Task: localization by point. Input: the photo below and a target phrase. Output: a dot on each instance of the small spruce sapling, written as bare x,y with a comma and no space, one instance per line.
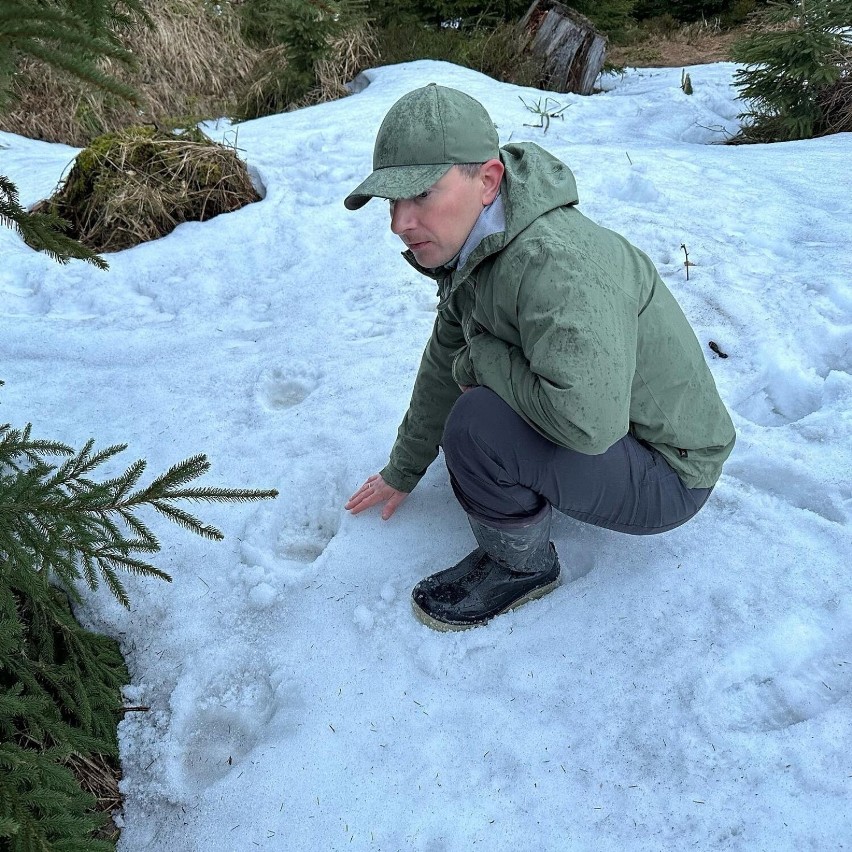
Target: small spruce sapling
788,67
304,31
60,684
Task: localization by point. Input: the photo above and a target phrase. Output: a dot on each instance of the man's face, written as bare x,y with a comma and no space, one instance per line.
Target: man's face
435,224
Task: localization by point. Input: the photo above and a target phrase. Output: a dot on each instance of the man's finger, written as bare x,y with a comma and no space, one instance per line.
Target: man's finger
392,504
364,500
367,496
374,491
357,500
364,490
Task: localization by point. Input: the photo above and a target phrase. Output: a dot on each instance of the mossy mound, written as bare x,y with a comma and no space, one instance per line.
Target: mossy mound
140,183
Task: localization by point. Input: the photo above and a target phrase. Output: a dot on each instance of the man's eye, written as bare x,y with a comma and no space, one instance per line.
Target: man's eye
424,194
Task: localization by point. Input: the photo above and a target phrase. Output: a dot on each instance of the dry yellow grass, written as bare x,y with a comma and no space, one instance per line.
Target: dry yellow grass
349,54
189,68
836,103
192,66
692,44
139,184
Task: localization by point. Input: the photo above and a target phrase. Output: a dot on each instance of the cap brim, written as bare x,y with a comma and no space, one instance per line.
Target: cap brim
396,182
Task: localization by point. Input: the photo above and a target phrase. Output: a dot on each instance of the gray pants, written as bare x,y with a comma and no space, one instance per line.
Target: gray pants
503,472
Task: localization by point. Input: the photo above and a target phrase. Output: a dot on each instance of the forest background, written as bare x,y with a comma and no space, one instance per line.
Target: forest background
251,58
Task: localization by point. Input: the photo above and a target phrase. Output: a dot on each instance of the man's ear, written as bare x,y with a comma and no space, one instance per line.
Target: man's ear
490,174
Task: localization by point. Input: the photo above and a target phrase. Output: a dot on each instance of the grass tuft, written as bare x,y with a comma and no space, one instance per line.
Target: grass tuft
139,184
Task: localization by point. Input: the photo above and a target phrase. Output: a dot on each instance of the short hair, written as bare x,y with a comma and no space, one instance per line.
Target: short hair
469,170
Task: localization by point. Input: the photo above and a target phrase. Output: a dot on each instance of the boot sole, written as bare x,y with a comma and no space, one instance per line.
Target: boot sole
447,626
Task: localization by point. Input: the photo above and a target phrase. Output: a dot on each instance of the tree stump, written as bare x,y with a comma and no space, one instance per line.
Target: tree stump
573,49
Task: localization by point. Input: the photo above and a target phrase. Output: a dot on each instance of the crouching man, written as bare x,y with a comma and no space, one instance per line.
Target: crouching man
561,372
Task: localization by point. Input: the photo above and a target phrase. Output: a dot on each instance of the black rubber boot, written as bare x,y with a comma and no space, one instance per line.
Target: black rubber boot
510,567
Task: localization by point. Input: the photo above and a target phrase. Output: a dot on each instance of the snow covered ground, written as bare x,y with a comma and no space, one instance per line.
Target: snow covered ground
686,691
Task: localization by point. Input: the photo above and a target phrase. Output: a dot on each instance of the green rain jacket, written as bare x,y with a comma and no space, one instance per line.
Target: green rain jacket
573,327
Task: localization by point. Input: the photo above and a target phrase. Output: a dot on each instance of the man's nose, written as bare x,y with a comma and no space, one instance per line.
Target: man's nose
402,219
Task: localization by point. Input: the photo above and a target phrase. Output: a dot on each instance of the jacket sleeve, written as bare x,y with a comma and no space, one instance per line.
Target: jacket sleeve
433,396
571,376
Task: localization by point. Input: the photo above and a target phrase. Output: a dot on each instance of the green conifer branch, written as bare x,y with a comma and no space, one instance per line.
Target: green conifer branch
139,529
83,70
178,474
13,441
219,495
186,520
57,521
66,678
42,230
42,806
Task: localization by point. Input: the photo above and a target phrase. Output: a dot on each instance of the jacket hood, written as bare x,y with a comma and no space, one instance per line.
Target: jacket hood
534,183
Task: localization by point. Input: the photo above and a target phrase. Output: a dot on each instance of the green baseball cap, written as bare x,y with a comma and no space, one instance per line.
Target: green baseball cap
424,134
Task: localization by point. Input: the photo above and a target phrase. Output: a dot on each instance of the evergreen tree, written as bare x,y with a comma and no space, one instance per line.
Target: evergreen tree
790,66
42,806
610,16
59,697
687,10
463,13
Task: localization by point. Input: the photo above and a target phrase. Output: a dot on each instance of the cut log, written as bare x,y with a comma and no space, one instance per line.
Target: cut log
573,50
